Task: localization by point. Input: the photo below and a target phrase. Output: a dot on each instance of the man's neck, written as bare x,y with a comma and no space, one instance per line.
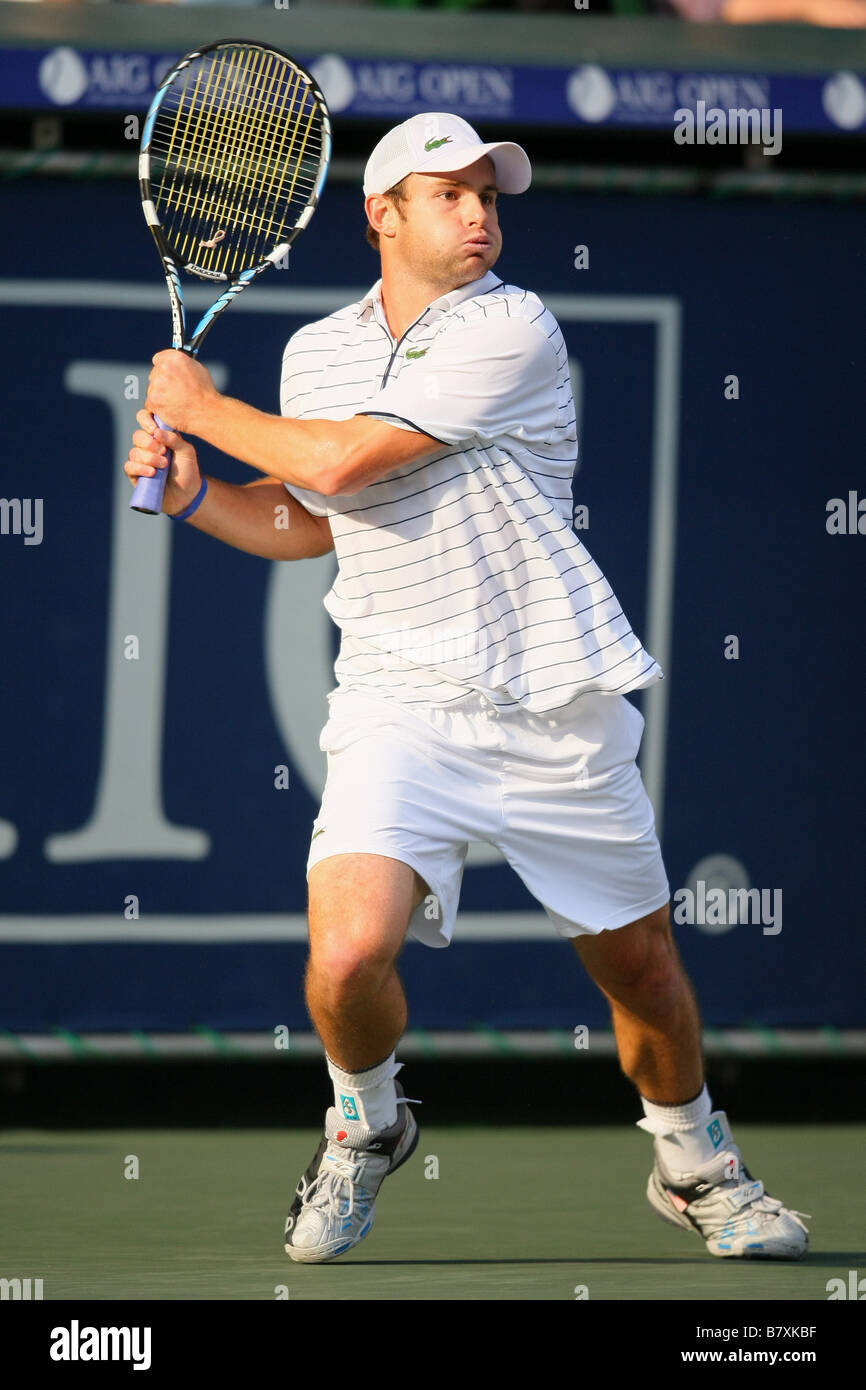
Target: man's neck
405,297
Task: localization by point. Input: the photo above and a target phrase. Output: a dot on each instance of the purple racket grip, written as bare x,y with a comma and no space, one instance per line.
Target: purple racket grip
147,493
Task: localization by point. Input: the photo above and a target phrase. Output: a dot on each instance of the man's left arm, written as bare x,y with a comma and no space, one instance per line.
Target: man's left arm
331,457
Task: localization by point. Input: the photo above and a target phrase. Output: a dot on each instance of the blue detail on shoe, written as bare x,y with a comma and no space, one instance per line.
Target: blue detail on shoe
362,1208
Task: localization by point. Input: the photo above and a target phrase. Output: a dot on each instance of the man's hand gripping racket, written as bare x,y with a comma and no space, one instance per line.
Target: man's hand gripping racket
234,155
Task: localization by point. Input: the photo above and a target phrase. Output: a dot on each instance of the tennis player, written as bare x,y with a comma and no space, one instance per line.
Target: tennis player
428,435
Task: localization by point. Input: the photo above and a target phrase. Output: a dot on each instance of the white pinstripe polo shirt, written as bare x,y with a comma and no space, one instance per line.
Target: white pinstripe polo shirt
461,573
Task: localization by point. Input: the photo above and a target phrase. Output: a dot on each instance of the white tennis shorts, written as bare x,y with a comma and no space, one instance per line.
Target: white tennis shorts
560,796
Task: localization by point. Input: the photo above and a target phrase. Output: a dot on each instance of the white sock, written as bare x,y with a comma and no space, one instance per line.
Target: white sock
368,1097
684,1140
674,1119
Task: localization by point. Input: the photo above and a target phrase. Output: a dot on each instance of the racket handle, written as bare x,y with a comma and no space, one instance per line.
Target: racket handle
147,493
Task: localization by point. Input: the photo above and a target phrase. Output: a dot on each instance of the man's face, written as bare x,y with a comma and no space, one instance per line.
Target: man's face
448,228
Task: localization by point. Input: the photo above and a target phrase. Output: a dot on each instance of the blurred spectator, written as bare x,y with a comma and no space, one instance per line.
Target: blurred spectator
837,14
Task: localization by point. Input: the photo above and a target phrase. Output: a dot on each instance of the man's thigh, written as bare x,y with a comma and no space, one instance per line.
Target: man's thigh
364,900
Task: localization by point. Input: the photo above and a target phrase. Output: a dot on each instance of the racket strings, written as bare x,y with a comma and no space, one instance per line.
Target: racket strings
266,132
209,167
190,115
187,196
209,117
242,129
189,126
237,147
292,167
288,160
270,167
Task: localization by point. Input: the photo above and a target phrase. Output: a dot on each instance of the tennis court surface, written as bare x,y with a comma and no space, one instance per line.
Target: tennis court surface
514,1214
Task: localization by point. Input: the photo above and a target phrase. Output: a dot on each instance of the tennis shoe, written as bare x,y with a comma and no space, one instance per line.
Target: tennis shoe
333,1206
726,1206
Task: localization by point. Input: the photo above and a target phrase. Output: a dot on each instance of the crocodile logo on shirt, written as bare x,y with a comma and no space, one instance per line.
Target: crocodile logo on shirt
412,353
434,144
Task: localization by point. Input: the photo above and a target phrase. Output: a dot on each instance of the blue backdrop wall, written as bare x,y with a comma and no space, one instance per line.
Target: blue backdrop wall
152,874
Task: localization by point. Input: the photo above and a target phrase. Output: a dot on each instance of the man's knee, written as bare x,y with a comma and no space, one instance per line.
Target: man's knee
359,910
351,959
640,958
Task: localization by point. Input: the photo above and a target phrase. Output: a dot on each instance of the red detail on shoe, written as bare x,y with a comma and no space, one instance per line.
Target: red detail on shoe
677,1200
732,1167
341,1135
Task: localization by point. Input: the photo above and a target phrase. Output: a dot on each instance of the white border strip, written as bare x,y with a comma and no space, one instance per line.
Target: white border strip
205,929
124,295
505,1045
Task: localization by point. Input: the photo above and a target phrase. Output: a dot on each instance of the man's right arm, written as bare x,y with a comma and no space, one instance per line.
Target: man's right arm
260,517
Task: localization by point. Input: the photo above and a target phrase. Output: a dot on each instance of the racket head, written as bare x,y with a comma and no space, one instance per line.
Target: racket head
234,154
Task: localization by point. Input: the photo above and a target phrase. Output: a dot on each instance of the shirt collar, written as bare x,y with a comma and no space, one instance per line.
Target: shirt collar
371,304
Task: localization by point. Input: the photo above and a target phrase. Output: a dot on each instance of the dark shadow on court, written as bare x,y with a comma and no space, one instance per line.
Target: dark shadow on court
833,1259
542,1260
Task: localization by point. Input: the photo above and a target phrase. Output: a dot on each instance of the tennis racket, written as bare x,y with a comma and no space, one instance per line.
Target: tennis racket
234,154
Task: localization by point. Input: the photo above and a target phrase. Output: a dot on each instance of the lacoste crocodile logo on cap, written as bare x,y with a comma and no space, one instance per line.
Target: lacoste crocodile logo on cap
434,144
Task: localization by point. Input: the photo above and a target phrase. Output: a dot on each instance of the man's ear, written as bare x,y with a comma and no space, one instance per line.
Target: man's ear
377,208
382,214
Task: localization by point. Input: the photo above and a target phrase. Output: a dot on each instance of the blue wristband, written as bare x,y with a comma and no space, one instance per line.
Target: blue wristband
194,504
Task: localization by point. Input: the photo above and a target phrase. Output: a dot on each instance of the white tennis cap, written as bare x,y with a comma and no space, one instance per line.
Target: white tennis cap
435,141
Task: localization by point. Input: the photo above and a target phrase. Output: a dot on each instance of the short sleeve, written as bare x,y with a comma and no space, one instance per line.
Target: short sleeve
315,502
480,381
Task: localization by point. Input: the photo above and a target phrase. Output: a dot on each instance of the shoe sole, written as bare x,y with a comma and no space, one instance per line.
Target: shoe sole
321,1254
661,1205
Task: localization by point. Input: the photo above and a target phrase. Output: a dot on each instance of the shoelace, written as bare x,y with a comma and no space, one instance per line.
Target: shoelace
333,1186
772,1206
